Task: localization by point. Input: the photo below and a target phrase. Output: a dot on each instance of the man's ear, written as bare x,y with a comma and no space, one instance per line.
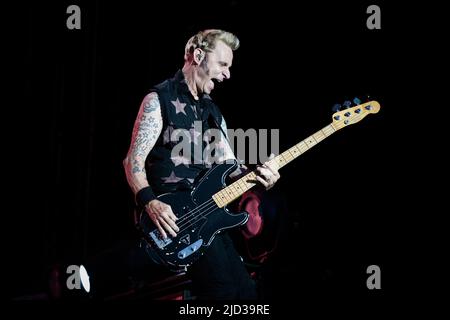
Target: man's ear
199,55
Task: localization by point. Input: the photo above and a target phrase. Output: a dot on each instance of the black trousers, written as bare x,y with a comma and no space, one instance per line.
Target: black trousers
220,274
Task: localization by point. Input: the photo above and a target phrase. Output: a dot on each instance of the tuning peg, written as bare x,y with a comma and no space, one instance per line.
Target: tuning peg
356,101
337,107
347,104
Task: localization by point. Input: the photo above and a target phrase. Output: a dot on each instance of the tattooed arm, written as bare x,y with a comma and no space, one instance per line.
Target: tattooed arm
147,128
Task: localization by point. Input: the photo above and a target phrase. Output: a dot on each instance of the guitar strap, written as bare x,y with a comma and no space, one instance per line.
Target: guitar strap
219,127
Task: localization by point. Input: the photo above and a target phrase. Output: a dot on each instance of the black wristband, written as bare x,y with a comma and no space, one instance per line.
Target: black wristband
144,196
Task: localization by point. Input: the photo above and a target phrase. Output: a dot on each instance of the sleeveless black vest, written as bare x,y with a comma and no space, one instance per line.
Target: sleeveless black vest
168,171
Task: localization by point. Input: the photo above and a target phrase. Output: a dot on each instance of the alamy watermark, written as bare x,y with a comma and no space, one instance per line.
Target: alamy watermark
78,277
74,20
194,147
374,20
374,280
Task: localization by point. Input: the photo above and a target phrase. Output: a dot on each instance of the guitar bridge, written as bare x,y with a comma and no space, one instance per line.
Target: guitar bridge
159,240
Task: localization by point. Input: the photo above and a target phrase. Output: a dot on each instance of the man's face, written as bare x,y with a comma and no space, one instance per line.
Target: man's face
215,67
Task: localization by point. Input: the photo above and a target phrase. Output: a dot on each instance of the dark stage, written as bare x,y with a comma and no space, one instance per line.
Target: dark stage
81,90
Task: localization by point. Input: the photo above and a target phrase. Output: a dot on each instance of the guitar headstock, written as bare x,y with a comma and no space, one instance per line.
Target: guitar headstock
350,115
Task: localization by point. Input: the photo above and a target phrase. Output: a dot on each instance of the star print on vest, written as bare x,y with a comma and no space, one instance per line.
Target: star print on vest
177,160
172,178
179,107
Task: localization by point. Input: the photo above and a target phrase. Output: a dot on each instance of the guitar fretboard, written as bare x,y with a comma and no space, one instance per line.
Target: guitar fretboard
237,188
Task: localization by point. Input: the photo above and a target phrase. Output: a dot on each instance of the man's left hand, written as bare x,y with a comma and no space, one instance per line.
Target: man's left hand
268,174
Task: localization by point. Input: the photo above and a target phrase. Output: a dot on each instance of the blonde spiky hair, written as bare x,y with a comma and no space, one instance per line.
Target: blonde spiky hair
207,39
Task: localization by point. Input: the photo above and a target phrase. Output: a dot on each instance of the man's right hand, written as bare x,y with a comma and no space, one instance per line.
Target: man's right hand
163,217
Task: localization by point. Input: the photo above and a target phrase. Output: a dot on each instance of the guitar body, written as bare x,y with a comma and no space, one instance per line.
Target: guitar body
199,219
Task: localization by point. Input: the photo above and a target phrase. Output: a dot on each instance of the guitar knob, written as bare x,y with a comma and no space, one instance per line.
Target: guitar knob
337,107
356,101
347,104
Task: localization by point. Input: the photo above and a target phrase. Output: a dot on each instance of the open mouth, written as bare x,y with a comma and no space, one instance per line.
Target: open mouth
213,82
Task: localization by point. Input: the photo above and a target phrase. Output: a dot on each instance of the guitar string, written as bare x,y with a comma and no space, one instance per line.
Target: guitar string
188,215
191,215
199,215
192,212
198,211
185,216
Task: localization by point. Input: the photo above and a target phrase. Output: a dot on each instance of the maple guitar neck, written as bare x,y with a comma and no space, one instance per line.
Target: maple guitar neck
341,119
240,186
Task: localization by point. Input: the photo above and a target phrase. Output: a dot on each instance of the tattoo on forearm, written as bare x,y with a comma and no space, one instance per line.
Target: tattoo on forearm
151,105
146,130
138,167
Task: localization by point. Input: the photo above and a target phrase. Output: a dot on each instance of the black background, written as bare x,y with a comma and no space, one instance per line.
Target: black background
81,90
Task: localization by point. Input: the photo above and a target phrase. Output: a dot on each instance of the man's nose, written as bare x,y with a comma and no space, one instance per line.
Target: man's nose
227,74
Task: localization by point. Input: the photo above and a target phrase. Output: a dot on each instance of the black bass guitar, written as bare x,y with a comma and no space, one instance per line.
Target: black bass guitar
202,212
